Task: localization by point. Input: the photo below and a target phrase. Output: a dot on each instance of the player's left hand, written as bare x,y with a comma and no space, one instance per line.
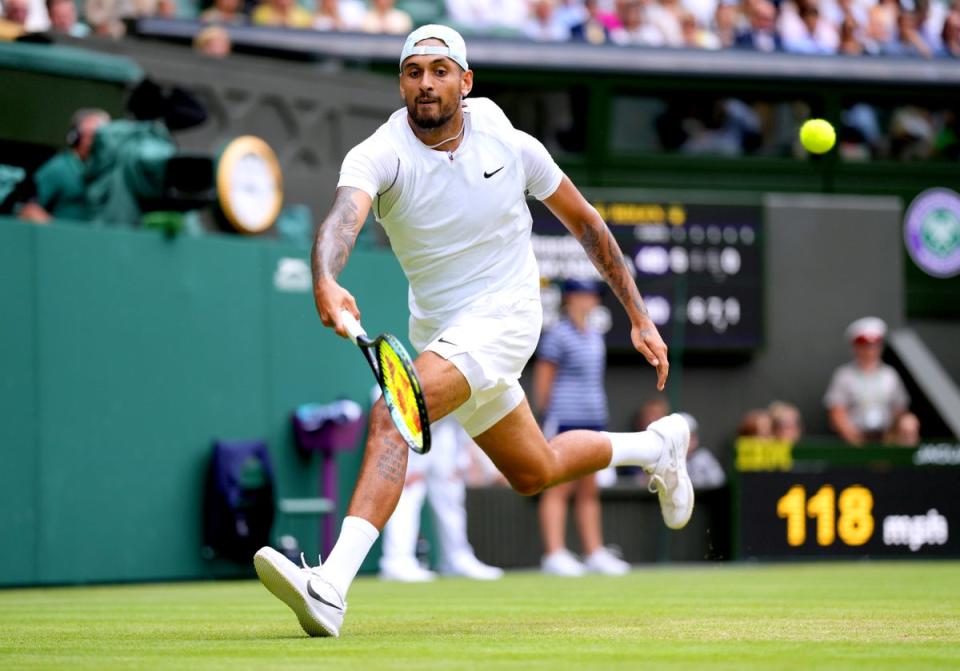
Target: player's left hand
646,340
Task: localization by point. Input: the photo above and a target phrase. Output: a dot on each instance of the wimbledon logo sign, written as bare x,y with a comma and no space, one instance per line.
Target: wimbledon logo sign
931,231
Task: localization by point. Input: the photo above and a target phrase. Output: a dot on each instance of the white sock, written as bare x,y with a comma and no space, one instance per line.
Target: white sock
357,536
642,448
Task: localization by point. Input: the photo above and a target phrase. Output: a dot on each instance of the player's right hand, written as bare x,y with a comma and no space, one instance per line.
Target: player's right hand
646,340
330,299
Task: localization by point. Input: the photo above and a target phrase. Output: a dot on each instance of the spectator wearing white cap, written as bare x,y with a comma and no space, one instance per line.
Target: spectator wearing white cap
866,398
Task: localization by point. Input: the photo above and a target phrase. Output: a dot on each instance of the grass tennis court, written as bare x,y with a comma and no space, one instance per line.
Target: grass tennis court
801,616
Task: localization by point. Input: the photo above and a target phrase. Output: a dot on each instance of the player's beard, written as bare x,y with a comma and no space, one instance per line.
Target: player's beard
430,122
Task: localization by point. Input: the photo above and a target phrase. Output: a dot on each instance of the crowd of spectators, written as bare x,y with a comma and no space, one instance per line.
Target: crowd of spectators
920,28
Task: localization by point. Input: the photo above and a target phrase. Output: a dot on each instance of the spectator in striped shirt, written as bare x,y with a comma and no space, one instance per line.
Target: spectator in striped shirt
569,394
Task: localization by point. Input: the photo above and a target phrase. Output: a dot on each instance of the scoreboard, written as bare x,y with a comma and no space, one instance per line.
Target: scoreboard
795,501
698,266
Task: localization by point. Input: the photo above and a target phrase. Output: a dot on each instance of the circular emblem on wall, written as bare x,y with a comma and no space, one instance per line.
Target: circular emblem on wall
931,231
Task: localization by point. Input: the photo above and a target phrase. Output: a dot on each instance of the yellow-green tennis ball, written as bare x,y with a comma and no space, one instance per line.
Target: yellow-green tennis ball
817,136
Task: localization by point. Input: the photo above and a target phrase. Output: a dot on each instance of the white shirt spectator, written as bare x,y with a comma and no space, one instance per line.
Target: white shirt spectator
798,38
873,400
38,20
386,20
666,22
702,10
486,14
545,24
643,35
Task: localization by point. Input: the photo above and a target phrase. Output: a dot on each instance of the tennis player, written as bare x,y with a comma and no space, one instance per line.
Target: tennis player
447,178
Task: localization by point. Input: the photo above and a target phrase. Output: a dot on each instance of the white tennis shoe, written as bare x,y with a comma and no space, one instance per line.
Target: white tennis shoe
562,563
466,564
315,602
669,478
604,562
404,569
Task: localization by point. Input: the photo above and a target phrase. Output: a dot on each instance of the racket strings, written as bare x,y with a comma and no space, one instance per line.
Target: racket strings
400,390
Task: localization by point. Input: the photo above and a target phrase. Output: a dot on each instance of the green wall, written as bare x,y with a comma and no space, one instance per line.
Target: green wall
122,355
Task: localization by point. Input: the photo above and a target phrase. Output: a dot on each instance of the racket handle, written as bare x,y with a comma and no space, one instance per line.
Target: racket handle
352,325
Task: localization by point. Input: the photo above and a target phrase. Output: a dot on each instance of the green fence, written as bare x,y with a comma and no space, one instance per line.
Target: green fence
122,355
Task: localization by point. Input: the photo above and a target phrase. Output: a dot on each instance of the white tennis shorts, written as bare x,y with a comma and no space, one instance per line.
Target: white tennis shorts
490,345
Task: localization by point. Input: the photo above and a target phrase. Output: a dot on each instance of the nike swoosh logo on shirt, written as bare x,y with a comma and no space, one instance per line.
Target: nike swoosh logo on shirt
488,175
444,340
320,598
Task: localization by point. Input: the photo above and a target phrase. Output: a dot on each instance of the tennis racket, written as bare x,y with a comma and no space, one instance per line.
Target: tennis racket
398,379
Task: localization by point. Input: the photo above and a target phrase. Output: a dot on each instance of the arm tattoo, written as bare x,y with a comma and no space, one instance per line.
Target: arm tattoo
335,236
391,465
604,252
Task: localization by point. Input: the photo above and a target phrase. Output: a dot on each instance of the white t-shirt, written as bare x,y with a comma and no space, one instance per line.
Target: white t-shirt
457,221
873,400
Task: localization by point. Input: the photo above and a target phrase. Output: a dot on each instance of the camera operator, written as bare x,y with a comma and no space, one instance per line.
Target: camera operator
61,190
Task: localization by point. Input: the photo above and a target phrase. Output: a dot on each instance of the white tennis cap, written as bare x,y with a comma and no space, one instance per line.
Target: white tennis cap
867,329
455,49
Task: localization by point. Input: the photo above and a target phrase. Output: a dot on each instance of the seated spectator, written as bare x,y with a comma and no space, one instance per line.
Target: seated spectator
866,398
835,11
787,423
635,28
213,41
106,17
383,17
703,11
487,15
570,12
951,35
761,33
666,15
695,37
878,35
704,469
912,134
544,24
225,12
60,182
725,23
909,41
338,15
592,28
650,411
860,135
906,433
850,44
13,20
63,18
282,14
804,31
31,15
161,8
930,24
756,423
